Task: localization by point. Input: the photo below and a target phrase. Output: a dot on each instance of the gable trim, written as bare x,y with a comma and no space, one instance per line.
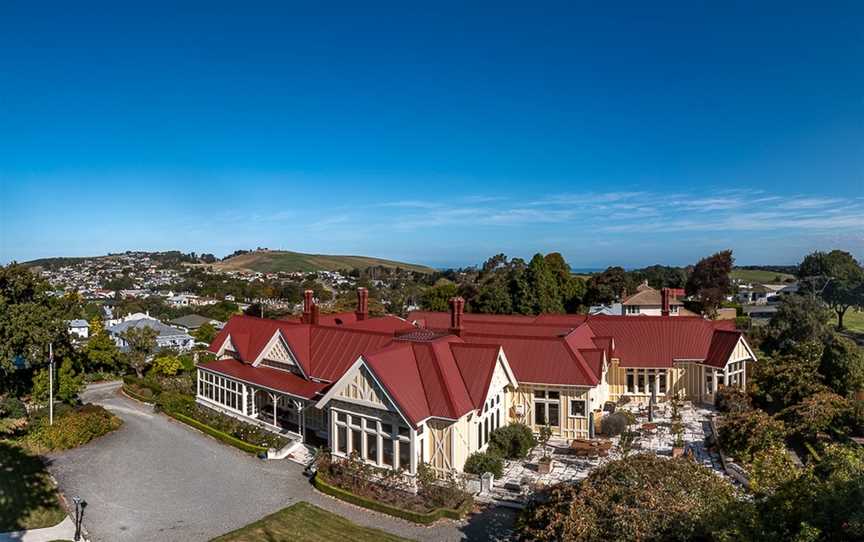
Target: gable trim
353,371
277,336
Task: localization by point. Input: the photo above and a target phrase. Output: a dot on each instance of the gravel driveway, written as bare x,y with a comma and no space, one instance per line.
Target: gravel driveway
157,479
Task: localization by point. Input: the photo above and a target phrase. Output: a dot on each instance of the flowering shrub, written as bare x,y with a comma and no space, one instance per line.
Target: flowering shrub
732,400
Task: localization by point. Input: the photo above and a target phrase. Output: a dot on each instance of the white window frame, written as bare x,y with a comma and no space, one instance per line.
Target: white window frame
370,427
220,390
645,374
544,402
574,400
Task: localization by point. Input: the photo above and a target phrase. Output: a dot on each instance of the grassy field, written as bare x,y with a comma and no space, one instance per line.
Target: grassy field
303,522
853,321
759,275
278,260
28,499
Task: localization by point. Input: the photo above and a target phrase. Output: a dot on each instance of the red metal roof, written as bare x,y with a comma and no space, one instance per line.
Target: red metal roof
723,343
266,377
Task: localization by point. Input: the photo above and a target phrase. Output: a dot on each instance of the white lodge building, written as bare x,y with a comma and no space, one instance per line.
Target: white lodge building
433,387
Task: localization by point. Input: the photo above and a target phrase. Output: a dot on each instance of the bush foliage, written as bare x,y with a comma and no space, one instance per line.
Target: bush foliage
643,497
512,441
480,463
616,423
744,434
72,428
732,400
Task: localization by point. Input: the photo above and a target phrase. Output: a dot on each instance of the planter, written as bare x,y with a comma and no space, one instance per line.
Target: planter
544,466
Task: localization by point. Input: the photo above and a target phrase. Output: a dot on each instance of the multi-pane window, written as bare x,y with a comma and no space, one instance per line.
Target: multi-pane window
547,406
647,381
223,391
631,309
378,442
735,374
488,420
578,408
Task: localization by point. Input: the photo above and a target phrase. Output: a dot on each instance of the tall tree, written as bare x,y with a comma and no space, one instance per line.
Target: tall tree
30,319
799,319
842,365
545,284
709,282
521,291
100,353
437,298
141,342
607,286
837,277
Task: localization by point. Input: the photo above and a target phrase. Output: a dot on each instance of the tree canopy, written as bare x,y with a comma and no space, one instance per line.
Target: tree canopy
710,283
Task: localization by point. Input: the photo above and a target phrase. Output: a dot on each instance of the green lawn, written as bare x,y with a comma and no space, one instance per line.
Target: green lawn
761,276
303,522
28,498
853,321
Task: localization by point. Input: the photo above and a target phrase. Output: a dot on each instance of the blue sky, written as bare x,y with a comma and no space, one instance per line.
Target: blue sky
443,134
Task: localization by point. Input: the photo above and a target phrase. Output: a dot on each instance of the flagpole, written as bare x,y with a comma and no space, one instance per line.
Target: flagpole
50,383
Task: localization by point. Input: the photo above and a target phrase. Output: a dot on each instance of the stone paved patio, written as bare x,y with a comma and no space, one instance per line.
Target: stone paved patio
521,478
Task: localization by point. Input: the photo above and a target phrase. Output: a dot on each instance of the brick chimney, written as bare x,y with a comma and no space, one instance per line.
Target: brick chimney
314,315
308,305
665,295
362,304
457,308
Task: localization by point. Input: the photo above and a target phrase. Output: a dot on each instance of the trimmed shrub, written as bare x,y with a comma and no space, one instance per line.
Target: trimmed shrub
480,463
732,400
616,423
744,434
173,402
513,441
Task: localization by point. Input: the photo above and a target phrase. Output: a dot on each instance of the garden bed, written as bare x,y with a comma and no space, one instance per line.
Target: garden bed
72,427
389,492
245,436
424,518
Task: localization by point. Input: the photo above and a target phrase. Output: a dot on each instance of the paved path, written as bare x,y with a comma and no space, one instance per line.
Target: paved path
157,479
65,530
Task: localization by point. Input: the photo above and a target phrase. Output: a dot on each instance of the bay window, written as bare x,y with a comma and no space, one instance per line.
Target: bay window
375,441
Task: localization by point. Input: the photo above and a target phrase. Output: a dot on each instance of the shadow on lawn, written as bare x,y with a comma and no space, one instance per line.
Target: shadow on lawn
28,498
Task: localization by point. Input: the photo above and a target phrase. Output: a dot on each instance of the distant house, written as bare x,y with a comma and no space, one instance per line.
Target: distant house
168,336
759,314
755,294
650,302
177,301
191,322
79,328
612,309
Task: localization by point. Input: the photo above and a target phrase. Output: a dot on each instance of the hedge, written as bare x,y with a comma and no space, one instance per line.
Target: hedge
416,517
215,433
128,391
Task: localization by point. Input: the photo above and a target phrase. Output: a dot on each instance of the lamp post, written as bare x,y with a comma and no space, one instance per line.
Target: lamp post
77,500
50,383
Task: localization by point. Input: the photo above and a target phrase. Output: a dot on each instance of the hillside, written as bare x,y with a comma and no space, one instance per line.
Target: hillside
273,261
762,276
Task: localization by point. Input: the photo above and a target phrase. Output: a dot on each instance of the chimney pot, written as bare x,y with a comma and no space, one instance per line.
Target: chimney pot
362,304
664,297
457,308
308,305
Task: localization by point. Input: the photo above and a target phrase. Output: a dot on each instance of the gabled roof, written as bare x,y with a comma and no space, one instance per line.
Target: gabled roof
649,296
723,344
